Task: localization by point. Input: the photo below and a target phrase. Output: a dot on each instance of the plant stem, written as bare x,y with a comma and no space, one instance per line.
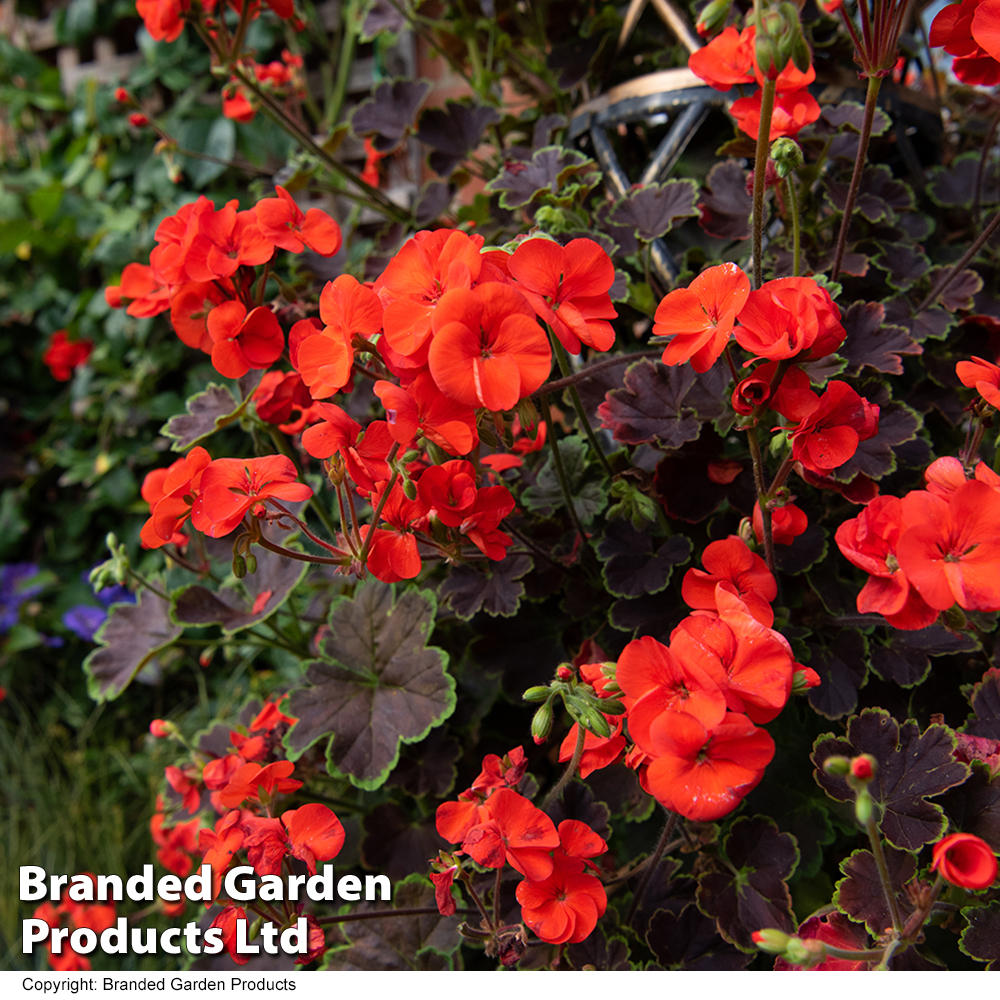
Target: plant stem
561,471
563,361
871,103
496,897
409,911
571,768
661,847
758,479
760,178
883,873
559,384
950,276
300,556
793,208
347,44
363,554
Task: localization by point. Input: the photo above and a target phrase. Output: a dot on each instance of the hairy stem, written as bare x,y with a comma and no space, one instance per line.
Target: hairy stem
760,178
793,209
563,362
559,384
871,103
561,471
888,888
571,768
969,254
661,847
390,458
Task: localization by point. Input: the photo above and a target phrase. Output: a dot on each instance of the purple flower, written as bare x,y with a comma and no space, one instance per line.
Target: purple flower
84,620
15,589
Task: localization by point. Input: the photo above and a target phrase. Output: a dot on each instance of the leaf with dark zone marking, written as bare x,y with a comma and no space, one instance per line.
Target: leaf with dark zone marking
379,684
872,342
632,567
861,896
428,767
903,264
927,324
981,939
691,941
546,496
396,845
851,115
959,293
495,588
876,458
234,608
577,802
453,133
912,766
751,891
207,412
661,404
422,942
974,806
725,204
842,668
985,700
880,195
954,186
549,170
129,638
389,113
652,211
596,951
905,656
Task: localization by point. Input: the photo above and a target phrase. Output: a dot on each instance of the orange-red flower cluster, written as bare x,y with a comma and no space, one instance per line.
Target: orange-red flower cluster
281,78
63,356
930,550
970,31
495,825
729,61
72,914
693,708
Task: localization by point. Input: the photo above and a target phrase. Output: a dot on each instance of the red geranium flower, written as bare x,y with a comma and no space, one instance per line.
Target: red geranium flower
787,523
700,318
243,341
422,406
487,348
793,110
226,240
950,550
190,305
231,486
226,921
965,860
728,59
285,224
252,780
702,774
63,356
972,38
568,289
829,435
564,907
982,376
731,563
517,832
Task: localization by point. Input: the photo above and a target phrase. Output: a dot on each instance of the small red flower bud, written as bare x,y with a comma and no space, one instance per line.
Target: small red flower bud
159,728
862,768
138,119
123,96
564,673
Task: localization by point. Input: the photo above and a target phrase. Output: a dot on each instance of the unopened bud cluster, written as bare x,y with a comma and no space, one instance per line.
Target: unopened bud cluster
582,702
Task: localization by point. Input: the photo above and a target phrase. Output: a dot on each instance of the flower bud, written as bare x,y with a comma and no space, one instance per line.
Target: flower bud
239,566
838,766
537,693
541,724
409,489
251,563
864,807
804,679
771,940
123,96
787,155
863,768
564,673
713,18
161,728
138,119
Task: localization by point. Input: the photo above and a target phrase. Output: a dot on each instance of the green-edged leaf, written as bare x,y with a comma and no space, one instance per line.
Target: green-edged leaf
954,186
861,896
551,171
546,496
653,210
689,940
875,457
261,595
911,767
421,942
842,669
663,405
389,112
985,699
378,685
495,588
872,342
453,132
598,952
750,893
905,656
132,635
981,939
207,412
631,565
974,806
